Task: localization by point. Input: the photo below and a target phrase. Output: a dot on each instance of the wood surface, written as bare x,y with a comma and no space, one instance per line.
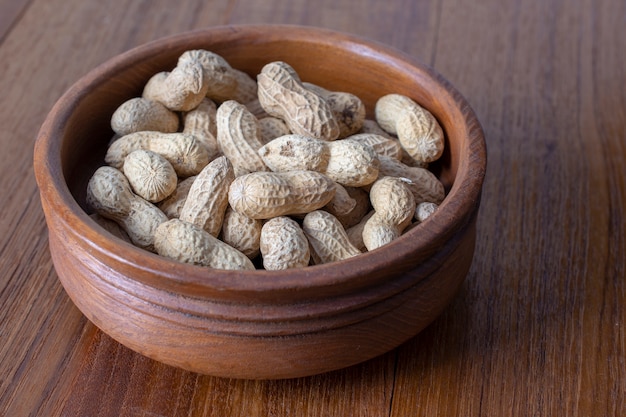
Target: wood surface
539,327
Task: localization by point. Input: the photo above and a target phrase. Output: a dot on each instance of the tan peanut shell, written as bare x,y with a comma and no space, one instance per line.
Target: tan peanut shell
183,151
348,109
394,207
208,196
242,232
109,194
417,129
201,123
221,79
238,136
189,243
150,175
182,89
263,195
173,204
295,152
349,163
352,163
424,185
139,114
327,238
272,128
424,210
282,95
382,145
283,244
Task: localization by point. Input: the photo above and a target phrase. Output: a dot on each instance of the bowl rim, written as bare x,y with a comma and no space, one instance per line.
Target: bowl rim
460,203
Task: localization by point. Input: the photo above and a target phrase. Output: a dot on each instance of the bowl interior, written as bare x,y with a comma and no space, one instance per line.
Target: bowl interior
77,133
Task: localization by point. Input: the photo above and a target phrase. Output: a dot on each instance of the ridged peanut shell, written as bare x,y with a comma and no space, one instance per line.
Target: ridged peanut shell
327,238
242,232
139,114
221,79
238,136
189,243
271,128
424,185
282,95
201,123
352,163
295,152
182,89
393,201
207,199
109,194
283,244
150,175
417,129
183,151
263,195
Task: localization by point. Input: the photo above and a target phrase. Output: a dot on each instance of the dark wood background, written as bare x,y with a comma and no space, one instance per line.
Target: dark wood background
539,327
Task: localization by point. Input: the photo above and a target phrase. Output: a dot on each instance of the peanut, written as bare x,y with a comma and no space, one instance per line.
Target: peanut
424,210
150,175
189,243
350,163
382,145
348,109
201,123
182,89
327,237
221,79
138,114
282,95
418,131
238,136
295,152
283,244
242,232
208,196
263,195
109,194
424,185
183,151
394,206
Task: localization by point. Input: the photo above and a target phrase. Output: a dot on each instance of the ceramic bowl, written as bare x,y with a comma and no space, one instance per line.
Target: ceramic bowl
260,324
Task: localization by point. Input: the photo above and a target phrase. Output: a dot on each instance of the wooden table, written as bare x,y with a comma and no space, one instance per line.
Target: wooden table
539,327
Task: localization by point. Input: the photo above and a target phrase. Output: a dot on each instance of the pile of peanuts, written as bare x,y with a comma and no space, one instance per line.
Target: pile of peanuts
213,167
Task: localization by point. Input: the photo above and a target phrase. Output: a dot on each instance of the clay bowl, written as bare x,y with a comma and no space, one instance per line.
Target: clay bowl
259,324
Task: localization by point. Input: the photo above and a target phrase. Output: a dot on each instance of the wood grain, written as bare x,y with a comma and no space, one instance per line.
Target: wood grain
539,327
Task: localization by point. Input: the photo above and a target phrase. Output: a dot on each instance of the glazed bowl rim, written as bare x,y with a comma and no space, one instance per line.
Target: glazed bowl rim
465,190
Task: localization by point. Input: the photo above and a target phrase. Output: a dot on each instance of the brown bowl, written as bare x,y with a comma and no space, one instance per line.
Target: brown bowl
259,324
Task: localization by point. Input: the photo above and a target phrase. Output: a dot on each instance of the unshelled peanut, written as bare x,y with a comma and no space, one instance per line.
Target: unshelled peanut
263,195
189,243
283,244
327,237
394,207
109,194
282,95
